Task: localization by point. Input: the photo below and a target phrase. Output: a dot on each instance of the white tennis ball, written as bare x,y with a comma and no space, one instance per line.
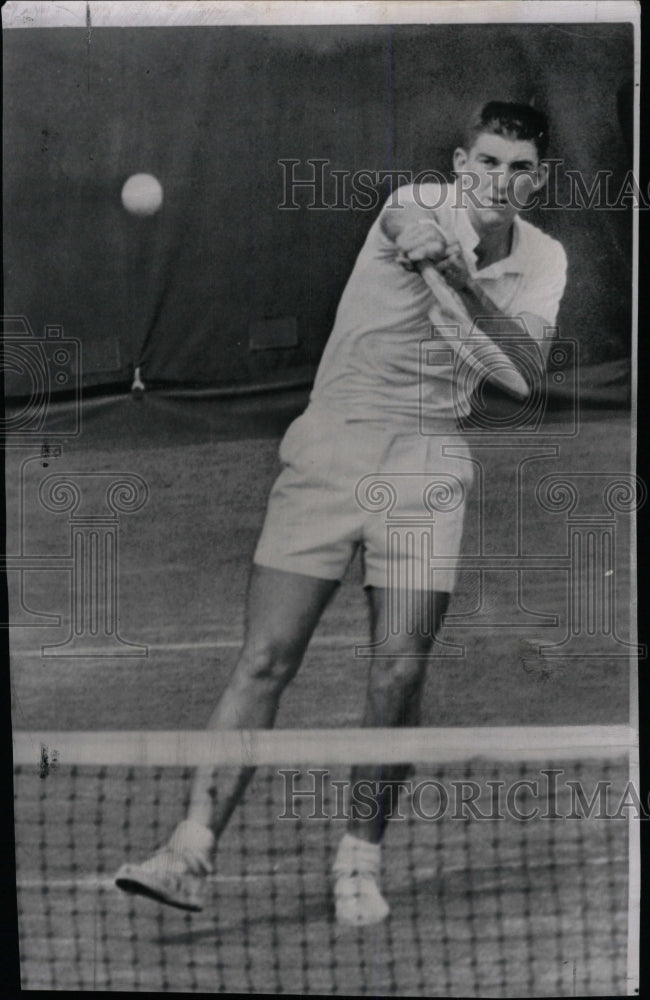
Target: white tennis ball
142,194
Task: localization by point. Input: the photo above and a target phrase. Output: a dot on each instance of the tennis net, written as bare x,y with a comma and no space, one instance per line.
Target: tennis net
506,864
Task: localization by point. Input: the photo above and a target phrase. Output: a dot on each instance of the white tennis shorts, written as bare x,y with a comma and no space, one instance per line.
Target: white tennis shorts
344,484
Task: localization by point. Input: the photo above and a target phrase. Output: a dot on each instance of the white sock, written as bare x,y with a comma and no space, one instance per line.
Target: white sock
192,836
355,854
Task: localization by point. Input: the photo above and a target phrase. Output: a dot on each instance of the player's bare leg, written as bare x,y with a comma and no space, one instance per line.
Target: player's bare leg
395,683
282,612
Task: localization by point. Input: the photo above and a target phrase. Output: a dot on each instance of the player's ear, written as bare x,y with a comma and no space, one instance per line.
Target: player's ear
541,176
459,159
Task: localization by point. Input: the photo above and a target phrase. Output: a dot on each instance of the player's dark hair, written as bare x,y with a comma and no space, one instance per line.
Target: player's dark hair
513,121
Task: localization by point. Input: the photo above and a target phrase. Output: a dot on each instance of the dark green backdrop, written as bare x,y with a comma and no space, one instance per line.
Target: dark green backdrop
210,111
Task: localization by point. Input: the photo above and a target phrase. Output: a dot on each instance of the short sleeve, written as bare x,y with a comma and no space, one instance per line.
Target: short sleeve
543,287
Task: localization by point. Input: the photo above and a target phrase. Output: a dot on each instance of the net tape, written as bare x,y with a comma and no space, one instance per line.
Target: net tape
330,746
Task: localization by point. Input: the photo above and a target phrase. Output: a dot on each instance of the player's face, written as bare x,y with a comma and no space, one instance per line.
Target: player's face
500,177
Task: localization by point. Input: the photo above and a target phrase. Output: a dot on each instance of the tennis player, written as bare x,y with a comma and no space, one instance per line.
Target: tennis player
363,419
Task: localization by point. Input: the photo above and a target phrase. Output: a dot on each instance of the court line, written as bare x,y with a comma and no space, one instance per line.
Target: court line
109,883
162,647
325,640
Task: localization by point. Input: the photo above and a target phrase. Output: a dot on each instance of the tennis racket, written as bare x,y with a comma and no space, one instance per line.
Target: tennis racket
471,345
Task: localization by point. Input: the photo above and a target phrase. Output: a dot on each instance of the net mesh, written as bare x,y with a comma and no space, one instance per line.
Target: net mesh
501,906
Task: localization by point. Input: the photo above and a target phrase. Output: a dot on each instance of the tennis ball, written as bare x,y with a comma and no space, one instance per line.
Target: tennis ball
142,194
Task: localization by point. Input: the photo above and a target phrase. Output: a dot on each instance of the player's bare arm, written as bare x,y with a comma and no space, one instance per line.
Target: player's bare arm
479,307
422,244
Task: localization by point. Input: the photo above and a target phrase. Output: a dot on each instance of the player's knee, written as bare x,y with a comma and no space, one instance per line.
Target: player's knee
399,675
266,665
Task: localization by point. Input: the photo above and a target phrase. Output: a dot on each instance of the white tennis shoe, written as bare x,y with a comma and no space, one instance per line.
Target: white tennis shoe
175,875
357,896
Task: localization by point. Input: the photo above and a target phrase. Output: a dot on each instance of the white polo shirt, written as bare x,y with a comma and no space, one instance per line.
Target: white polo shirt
371,367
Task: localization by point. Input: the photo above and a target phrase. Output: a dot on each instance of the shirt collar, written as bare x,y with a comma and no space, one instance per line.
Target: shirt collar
468,238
